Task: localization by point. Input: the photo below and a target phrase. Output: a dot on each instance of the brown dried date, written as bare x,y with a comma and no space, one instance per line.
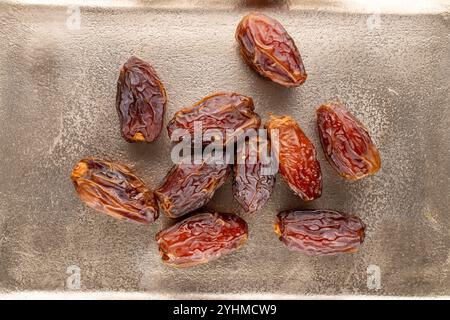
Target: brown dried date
113,189
188,187
346,142
252,187
267,47
220,111
140,101
319,232
201,238
297,157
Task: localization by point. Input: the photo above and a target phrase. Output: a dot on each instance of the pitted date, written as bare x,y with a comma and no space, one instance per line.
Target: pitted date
252,181
140,101
188,187
113,189
319,232
220,111
298,163
267,47
201,238
346,142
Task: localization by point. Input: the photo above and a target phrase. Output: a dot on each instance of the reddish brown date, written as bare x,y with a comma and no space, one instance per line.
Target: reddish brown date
113,189
267,47
219,111
319,232
298,163
188,187
140,101
201,238
252,183
346,142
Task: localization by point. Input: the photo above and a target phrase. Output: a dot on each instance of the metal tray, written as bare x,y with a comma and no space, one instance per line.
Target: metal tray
58,69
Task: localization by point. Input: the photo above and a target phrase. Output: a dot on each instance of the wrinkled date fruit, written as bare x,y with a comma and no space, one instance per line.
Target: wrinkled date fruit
267,47
201,238
346,142
319,232
297,157
188,187
219,111
113,189
252,186
140,101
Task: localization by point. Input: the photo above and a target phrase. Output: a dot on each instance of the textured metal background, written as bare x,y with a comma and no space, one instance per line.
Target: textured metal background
57,94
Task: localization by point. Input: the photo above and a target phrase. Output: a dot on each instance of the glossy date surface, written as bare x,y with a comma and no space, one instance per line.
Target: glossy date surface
252,186
188,187
297,157
266,46
113,189
320,232
201,238
346,142
220,111
140,101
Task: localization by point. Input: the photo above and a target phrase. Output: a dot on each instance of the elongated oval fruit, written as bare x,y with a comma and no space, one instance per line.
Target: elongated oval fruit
252,181
188,187
140,101
346,142
113,189
201,238
319,232
220,111
297,157
267,47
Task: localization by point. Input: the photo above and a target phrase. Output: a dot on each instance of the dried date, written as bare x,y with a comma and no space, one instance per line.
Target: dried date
267,47
201,238
140,101
188,187
297,157
319,232
222,111
113,189
252,186
346,142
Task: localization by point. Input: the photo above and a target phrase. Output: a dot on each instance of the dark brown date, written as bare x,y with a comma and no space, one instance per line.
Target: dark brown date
113,189
267,47
220,111
297,157
319,232
188,187
346,142
140,101
201,238
252,186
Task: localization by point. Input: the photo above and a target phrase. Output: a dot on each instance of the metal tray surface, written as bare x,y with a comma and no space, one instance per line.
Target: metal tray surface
58,72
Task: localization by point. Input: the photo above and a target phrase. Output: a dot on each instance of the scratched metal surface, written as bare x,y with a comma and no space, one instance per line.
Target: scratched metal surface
57,94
